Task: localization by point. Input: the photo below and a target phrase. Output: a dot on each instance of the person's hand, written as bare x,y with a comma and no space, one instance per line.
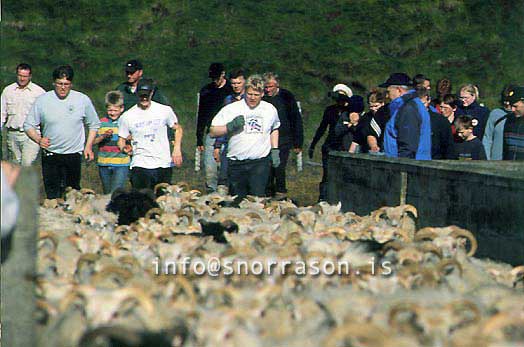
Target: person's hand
374,149
200,148
354,118
44,142
108,134
235,125
216,154
89,155
310,152
275,157
128,149
177,157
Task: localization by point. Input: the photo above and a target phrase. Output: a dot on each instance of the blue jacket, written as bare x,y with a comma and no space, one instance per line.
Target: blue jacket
408,131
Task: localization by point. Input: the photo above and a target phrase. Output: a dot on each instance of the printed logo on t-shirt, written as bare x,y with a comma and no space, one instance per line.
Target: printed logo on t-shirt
71,109
474,122
254,125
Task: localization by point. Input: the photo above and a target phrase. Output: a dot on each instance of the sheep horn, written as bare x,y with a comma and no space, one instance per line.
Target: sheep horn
188,289
184,185
468,235
425,234
49,235
86,191
254,215
160,186
121,273
140,296
395,245
184,213
500,321
153,213
465,306
399,308
410,208
379,213
446,262
518,274
432,248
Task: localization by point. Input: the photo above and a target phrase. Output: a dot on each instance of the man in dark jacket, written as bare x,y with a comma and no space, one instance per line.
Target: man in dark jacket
134,71
291,132
513,147
408,131
211,100
441,138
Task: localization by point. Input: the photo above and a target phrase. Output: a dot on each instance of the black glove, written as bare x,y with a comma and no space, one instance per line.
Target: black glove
310,152
235,125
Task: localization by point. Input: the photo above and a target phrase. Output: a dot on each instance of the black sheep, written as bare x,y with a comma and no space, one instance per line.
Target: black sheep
131,204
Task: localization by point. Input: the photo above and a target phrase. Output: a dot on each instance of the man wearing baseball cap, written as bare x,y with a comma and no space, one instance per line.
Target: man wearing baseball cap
210,101
147,124
134,71
340,94
408,131
513,147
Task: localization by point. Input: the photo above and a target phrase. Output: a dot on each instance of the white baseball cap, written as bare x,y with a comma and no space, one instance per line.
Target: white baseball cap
343,88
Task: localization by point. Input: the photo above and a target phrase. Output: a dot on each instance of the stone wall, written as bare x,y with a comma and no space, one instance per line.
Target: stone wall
485,197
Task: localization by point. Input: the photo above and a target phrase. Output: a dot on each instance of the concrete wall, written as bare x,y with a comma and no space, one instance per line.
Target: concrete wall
484,197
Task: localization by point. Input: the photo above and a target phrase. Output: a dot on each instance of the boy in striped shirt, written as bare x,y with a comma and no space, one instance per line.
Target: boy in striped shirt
113,165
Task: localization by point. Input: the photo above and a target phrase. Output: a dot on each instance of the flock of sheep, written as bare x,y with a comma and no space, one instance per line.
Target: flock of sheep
97,284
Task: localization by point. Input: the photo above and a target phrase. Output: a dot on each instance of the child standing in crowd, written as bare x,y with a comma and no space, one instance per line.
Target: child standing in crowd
113,165
471,148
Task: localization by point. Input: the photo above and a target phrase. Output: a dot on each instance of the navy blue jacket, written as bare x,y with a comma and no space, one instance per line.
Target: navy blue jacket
478,113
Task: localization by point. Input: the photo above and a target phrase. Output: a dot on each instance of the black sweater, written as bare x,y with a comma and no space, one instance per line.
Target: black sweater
211,101
291,131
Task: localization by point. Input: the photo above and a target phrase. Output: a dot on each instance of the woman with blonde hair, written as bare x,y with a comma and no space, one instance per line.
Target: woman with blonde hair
468,95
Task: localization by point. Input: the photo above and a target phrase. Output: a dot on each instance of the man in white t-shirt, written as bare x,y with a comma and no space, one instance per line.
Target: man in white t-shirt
145,124
252,128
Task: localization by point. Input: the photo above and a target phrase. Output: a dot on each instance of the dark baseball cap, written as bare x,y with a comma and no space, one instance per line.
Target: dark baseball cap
516,94
145,86
397,79
133,65
215,69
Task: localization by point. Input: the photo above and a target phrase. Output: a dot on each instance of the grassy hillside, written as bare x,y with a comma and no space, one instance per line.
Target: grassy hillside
311,44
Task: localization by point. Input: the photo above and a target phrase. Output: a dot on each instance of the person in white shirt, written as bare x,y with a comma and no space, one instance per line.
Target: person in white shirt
145,125
17,99
252,128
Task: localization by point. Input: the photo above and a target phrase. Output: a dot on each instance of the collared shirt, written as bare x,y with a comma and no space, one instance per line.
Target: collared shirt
16,103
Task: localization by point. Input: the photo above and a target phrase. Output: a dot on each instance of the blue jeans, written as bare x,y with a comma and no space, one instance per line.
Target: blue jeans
113,177
210,165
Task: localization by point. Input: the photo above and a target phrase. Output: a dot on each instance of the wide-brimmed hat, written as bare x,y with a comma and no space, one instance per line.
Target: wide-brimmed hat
343,88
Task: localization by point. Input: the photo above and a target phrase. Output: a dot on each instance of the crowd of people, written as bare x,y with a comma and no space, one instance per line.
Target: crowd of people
247,126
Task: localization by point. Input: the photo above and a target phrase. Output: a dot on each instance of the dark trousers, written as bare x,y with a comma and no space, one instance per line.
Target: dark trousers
322,187
277,176
60,171
149,178
248,177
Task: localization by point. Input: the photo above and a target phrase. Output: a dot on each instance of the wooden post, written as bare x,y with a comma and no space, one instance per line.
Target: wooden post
18,289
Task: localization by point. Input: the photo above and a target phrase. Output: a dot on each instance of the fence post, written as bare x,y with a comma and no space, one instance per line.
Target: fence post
18,289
